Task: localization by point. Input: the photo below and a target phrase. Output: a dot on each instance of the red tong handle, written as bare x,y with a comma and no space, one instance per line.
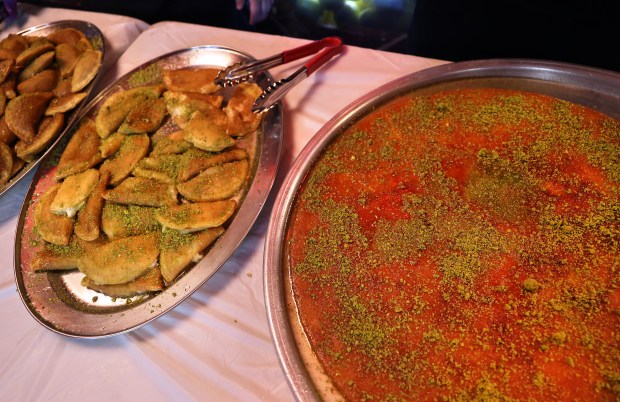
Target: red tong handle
332,46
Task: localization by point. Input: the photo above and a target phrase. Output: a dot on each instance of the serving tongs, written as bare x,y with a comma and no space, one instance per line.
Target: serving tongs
245,71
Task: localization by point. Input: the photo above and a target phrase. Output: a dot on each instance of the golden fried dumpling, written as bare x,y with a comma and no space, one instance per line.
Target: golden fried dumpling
53,228
36,49
173,144
145,117
120,165
118,105
200,80
45,81
6,135
111,144
205,135
82,151
241,119
88,224
39,64
49,129
58,257
142,191
63,88
73,192
86,69
64,103
179,168
70,36
3,102
6,163
122,260
216,183
118,220
179,250
182,105
12,46
67,57
18,164
192,217
150,281
23,113
5,69
9,86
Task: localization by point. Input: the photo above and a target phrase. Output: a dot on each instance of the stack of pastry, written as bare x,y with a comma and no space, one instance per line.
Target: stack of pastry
147,183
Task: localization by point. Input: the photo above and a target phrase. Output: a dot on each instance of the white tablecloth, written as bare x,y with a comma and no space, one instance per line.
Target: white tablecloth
216,345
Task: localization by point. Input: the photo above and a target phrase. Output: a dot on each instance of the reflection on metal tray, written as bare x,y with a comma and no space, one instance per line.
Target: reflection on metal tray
58,301
597,89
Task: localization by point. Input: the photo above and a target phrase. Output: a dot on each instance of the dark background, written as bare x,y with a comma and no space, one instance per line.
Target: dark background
586,32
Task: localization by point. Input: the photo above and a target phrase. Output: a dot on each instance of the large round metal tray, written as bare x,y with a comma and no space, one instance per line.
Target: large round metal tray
95,37
597,89
59,302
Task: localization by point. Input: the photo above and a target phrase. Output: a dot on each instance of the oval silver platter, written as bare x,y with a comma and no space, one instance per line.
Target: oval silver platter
59,302
95,37
597,89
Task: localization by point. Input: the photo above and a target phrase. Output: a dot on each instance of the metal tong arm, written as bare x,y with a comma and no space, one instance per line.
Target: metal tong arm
241,72
276,91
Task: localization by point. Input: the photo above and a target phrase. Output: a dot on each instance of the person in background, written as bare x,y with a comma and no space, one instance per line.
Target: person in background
259,9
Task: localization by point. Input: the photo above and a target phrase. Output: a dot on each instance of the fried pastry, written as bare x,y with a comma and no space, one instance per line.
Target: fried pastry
88,224
67,57
39,64
6,163
6,135
34,50
49,129
176,168
191,80
53,228
63,104
122,260
111,144
145,117
120,165
150,281
241,119
118,220
216,183
45,81
52,257
172,144
63,88
12,46
23,113
3,101
86,69
5,69
69,36
182,106
142,191
116,108
192,217
82,151
179,250
204,134
74,192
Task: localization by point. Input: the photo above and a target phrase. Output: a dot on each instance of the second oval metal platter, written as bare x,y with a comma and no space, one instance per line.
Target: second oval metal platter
94,35
59,302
